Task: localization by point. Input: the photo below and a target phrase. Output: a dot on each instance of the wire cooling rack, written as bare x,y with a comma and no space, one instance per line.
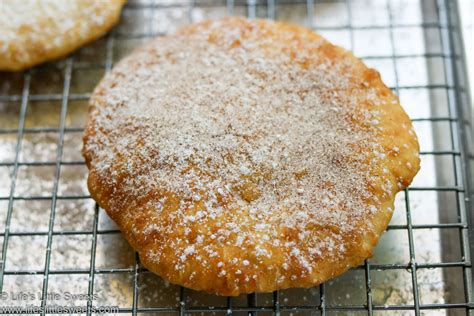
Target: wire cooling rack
56,240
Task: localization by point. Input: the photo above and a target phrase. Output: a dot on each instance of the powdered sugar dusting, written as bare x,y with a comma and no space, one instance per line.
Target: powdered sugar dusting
249,145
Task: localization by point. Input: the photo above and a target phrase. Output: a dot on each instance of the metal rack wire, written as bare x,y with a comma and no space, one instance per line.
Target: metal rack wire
456,127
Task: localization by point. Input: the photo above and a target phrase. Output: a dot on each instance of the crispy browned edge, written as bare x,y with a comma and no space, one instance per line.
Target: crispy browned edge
36,51
392,118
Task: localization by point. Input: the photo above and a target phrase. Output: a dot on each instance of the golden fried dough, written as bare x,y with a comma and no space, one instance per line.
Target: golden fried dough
243,156
35,31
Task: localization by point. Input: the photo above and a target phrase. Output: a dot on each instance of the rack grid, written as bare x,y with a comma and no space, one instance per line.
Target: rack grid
63,88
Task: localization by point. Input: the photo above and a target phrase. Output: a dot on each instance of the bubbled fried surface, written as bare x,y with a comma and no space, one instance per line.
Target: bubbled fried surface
246,156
